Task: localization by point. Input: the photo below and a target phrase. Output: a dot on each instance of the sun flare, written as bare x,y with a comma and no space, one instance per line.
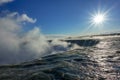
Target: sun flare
98,19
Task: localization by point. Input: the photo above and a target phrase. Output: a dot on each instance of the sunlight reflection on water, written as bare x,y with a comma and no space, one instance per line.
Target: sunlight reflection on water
105,54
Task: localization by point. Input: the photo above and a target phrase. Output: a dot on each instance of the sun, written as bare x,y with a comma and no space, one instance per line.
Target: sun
98,19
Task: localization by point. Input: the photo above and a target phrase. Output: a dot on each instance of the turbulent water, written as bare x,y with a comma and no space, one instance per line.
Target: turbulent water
100,61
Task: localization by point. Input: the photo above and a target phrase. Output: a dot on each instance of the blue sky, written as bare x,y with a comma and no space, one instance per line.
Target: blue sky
67,17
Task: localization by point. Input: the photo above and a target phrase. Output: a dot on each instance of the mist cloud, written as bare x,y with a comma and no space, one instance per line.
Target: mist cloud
59,46
16,46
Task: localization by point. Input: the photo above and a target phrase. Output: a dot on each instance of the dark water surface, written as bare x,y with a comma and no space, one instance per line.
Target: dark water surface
98,62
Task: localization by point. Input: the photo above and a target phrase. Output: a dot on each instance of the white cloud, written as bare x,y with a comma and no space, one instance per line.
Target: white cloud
5,1
24,17
21,18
